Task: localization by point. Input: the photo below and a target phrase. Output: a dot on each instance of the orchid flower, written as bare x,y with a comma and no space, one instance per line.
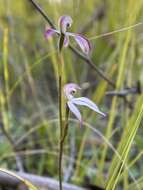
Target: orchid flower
64,23
72,102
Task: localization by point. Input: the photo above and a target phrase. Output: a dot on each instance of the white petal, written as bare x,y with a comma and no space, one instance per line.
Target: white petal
75,111
83,101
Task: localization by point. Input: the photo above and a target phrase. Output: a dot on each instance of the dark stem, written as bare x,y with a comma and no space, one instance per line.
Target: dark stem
41,11
93,66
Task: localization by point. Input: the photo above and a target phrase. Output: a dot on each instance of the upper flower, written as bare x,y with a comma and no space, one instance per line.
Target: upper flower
69,90
64,23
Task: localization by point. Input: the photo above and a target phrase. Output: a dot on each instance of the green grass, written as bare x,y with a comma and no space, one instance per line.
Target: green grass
29,98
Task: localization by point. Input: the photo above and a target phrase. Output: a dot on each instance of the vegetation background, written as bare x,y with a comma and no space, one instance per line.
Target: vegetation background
108,152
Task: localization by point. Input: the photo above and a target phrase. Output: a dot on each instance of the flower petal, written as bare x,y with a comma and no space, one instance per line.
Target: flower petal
83,43
66,41
64,23
83,101
49,32
75,111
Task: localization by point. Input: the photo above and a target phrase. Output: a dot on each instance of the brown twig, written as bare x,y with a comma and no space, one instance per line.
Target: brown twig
40,182
126,91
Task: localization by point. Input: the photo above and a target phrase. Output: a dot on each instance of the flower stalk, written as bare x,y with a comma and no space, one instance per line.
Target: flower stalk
62,140
60,119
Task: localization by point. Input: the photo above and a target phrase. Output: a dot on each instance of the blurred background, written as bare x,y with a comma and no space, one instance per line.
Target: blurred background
29,131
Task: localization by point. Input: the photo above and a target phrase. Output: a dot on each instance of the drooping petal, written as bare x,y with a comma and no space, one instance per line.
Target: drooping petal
75,111
83,43
50,32
83,101
70,89
66,41
64,23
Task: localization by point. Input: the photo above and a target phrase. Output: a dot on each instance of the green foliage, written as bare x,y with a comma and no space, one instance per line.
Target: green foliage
29,99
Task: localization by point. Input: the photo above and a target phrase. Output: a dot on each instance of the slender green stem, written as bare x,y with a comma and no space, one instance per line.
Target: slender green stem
60,165
61,129
65,124
61,147
60,111
60,104
62,140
